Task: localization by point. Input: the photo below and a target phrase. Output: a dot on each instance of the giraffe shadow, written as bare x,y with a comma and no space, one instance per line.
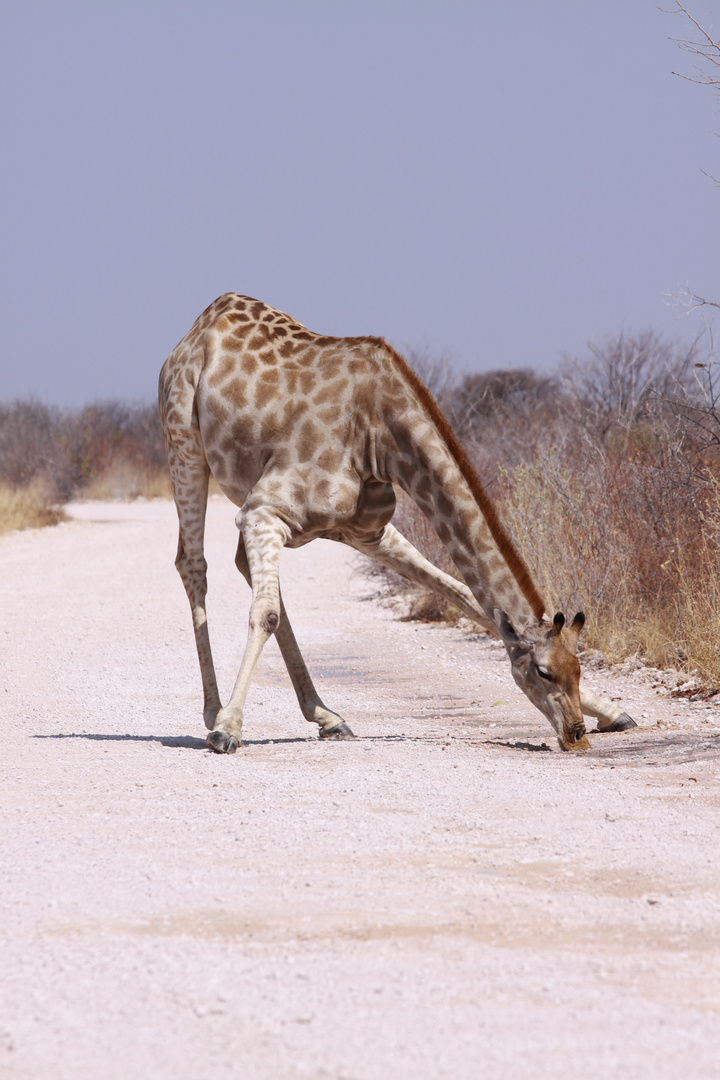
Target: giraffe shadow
182,742
187,742
521,745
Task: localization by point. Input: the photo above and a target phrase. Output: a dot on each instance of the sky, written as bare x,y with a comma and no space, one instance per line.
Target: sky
495,183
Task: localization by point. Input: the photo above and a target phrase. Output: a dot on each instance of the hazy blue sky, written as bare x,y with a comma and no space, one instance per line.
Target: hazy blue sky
498,181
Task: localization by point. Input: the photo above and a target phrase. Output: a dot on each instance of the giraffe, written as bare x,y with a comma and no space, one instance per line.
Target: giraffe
307,434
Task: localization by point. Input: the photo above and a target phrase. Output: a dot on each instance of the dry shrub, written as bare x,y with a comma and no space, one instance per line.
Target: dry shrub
110,450
607,477
27,508
118,445
105,450
31,447
629,379
591,546
616,517
124,479
506,418
156,485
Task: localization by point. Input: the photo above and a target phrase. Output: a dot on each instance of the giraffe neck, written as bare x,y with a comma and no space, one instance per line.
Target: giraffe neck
424,458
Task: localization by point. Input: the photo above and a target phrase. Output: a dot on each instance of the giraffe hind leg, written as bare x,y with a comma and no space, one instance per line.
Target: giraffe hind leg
189,476
332,726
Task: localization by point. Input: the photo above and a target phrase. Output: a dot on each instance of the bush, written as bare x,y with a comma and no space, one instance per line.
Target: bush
103,450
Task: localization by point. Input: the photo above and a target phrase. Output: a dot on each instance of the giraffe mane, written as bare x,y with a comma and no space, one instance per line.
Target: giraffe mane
507,549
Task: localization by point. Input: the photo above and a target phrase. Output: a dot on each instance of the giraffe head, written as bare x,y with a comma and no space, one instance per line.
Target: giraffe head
546,669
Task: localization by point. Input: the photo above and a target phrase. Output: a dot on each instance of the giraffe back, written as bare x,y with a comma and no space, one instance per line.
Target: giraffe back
283,414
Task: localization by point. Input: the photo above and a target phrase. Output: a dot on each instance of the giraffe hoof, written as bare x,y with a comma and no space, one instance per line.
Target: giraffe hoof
340,731
623,723
221,742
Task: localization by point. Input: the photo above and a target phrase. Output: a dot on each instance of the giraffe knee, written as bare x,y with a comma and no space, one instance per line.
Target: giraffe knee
265,617
265,614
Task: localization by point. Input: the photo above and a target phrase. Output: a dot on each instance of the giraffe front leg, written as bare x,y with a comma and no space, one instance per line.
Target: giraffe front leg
264,536
332,726
393,550
609,717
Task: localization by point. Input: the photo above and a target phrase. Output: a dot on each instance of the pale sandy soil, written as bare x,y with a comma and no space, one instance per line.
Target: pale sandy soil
432,900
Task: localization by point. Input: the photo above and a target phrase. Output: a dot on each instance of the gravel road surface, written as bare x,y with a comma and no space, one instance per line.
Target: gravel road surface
447,896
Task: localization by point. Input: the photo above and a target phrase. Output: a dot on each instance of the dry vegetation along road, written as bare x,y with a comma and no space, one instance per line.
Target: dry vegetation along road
435,899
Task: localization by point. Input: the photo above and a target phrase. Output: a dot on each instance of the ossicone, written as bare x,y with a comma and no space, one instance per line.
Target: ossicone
573,629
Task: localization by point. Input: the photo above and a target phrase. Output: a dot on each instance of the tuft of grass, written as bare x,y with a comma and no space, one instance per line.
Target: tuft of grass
428,607
27,507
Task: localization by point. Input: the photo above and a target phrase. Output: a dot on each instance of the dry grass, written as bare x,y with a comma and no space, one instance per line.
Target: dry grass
27,508
696,569
580,537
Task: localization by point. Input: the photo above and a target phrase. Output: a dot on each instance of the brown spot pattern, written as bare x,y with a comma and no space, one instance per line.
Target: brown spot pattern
279,403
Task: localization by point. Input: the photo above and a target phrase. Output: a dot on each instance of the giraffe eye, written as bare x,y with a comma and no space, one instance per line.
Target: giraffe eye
545,674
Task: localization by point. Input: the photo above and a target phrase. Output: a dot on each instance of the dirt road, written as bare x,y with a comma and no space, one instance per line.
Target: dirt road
435,899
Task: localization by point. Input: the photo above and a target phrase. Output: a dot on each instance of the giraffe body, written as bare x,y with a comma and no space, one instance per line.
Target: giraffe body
307,434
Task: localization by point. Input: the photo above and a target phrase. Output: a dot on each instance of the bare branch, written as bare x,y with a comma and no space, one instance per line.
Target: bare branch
707,48
689,301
